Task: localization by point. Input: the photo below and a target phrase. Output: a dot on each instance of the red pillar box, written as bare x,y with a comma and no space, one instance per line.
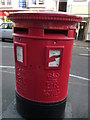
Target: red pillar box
43,44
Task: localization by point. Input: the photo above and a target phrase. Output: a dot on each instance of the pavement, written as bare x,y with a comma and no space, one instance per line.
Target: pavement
11,111
81,43
77,105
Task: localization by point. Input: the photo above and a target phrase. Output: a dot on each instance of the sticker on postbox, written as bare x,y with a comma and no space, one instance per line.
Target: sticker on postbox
19,53
54,58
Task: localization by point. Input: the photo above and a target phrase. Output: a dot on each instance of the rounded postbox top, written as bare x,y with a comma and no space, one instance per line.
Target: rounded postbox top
44,15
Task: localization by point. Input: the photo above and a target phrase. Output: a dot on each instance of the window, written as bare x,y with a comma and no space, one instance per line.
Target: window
79,0
37,2
6,26
8,2
3,26
22,3
10,25
2,2
62,6
33,1
41,1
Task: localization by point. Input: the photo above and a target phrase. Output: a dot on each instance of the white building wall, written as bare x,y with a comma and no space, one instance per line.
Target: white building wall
69,6
50,4
82,9
15,4
77,7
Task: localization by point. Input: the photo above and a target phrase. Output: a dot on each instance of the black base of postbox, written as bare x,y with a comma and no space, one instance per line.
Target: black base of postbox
34,110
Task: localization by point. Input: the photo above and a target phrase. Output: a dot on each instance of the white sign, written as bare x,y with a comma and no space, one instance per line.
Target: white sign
19,53
54,58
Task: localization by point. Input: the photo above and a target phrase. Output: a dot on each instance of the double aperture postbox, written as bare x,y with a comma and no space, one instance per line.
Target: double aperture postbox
43,48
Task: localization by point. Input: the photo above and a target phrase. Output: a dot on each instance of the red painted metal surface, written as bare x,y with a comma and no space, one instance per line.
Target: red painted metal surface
44,38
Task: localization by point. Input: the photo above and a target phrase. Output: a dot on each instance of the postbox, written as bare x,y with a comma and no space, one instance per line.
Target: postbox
43,44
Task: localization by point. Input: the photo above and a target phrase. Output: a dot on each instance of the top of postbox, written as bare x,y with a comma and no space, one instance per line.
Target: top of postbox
44,15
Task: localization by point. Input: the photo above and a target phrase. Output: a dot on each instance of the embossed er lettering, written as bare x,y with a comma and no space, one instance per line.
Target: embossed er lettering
53,75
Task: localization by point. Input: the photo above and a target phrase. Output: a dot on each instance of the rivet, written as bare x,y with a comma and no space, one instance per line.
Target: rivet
55,42
20,39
